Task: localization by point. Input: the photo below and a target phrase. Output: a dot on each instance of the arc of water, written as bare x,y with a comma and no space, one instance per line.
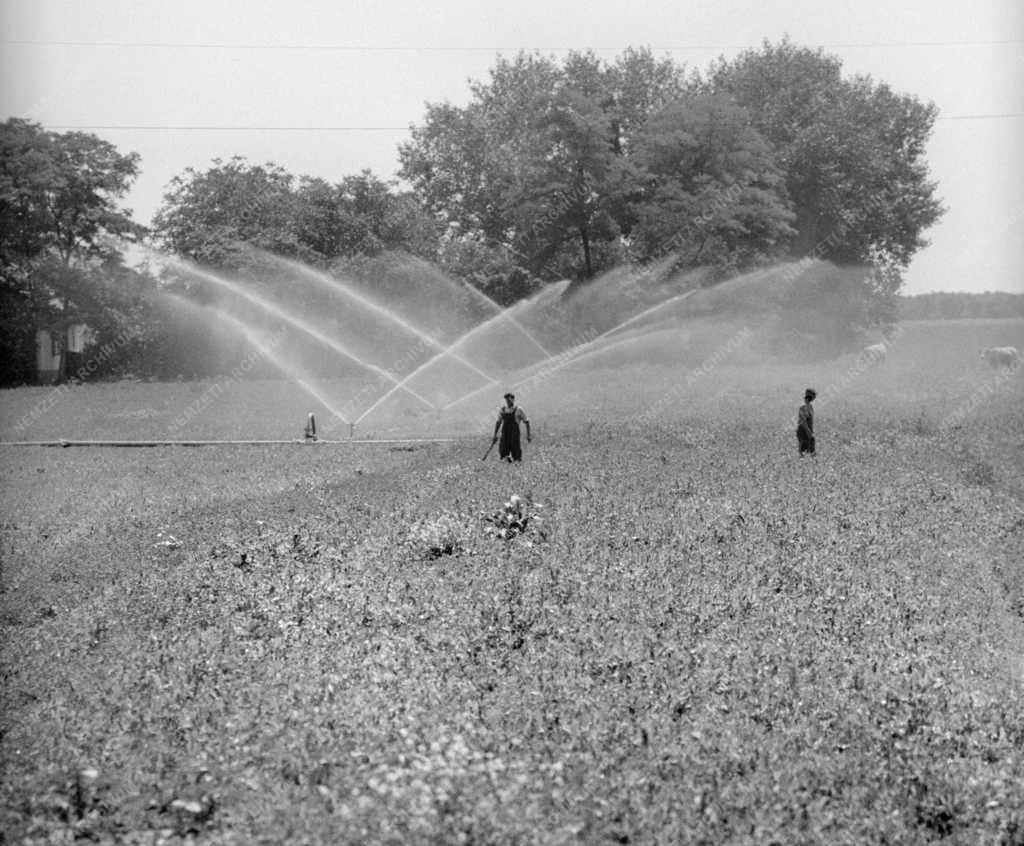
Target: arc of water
617,342
637,317
629,320
336,286
576,353
476,330
512,320
270,307
290,371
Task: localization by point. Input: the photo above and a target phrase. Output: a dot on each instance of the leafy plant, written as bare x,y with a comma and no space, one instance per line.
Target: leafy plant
514,518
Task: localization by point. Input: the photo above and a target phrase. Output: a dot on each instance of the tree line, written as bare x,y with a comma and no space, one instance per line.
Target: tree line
944,305
553,169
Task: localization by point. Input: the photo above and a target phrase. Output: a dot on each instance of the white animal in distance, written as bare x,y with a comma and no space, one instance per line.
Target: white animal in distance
1000,356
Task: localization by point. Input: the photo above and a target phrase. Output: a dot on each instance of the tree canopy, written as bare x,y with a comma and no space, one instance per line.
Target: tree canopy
59,198
216,216
564,168
852,152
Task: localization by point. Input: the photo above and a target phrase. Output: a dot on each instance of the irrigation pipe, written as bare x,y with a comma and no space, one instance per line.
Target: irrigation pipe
360,442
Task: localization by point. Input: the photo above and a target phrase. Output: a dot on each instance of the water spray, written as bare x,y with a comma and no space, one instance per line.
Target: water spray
271,308
274,356
338,286
583,350
505,314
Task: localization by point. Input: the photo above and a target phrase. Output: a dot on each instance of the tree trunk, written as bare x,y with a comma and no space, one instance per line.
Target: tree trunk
700,249
807,223
62,332
588,269
65,315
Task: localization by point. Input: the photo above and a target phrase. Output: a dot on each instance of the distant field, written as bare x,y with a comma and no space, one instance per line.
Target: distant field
697,638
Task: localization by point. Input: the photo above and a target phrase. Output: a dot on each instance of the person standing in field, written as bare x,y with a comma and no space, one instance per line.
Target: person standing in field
805,423
507,425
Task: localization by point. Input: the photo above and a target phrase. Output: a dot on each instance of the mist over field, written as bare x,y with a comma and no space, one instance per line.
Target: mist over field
398,348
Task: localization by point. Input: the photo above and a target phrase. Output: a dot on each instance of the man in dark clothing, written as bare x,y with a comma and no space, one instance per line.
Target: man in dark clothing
805,423
509,416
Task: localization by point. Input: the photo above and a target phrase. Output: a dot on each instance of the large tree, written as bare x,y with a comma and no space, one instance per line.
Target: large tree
852,152
558,168
563,169
59,193
59,196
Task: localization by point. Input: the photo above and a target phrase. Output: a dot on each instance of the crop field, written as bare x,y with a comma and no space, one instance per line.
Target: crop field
662,627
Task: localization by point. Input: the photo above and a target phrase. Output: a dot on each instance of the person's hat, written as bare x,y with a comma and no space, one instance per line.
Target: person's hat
810,393
510,395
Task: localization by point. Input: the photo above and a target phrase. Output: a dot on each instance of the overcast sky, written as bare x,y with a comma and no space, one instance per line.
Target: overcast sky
175,74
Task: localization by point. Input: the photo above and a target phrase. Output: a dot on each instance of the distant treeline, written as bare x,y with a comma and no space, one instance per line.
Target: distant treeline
951,306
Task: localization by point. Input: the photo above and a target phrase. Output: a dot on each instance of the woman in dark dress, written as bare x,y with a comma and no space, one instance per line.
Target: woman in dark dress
507,425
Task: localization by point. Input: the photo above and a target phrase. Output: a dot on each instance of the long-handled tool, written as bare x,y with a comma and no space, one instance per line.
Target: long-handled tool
489,449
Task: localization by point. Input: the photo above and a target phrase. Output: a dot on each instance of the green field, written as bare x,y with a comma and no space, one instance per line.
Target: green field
698,637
